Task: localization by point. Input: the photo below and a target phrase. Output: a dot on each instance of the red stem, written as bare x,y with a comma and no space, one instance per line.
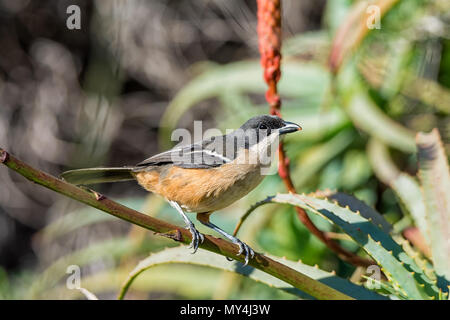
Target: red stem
269,37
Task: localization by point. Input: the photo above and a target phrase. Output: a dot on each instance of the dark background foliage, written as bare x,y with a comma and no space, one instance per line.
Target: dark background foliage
48,71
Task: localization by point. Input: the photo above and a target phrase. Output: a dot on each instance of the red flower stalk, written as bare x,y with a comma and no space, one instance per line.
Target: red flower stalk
269,40
269,35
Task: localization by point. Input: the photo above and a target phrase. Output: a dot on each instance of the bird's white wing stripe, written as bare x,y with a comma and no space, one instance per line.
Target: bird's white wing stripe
213,154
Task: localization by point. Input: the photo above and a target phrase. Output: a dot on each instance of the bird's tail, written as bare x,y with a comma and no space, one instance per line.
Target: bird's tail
98,175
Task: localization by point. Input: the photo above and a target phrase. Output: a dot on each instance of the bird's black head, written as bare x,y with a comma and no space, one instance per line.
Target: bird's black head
260,133
271,124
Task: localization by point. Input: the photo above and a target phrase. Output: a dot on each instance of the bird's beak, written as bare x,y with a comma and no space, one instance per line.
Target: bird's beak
290,127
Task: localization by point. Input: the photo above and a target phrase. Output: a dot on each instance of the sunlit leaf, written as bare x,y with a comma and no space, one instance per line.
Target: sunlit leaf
177,255
396,264
435,179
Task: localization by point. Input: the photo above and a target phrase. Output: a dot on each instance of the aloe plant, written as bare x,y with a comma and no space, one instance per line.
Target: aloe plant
435,178
407,278
177,255
362,98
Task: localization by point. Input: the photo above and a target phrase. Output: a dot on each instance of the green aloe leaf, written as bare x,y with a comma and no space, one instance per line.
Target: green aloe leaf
355,205
70,222
336,13
49,278
367,116
435,179
313,159
400,268
185,281
81,217
299,80
315,41
316,124
405,187
204,258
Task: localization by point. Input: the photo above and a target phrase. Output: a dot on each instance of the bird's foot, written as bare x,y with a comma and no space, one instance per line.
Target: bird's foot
244,249
197,237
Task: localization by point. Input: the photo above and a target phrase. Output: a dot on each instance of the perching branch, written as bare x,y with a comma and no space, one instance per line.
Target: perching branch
216,245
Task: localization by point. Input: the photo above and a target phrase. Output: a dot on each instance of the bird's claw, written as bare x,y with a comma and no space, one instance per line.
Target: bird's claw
197,237
246,250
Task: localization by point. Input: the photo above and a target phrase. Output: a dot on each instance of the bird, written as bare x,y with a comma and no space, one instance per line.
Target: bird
205,176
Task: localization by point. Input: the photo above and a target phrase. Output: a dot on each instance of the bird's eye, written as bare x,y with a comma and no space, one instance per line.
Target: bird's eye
262,126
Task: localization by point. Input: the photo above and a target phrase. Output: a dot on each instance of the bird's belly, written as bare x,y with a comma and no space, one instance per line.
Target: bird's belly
202,190
223,197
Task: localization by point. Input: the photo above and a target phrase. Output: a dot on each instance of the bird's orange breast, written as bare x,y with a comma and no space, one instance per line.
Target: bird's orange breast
201,190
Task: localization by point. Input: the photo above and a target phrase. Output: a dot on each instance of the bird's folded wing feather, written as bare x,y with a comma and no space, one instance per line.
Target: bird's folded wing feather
197,155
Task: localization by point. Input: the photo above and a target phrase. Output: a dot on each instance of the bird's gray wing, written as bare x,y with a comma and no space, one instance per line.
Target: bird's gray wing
205,154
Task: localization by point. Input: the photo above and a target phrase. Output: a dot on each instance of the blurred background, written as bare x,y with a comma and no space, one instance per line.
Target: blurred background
111,93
